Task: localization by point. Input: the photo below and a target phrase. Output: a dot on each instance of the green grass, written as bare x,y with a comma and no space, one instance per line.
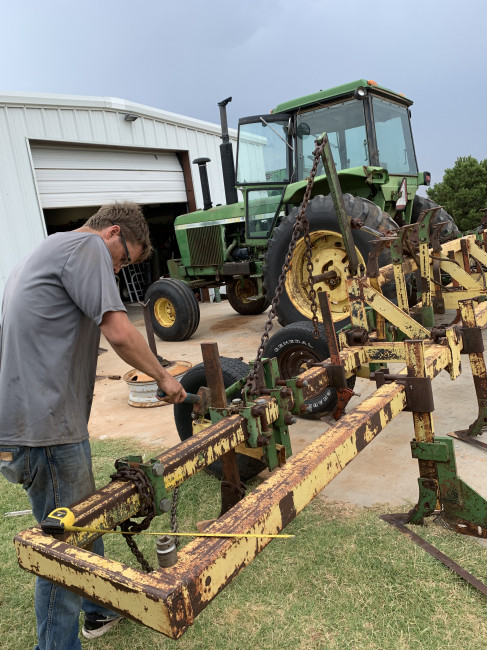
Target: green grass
348,580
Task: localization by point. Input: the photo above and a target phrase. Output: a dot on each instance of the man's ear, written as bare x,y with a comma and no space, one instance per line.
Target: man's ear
111,231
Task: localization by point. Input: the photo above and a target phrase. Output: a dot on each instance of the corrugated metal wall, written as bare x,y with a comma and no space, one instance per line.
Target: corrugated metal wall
83,120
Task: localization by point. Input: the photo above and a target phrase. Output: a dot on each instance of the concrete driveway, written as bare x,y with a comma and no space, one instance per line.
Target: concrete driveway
384,472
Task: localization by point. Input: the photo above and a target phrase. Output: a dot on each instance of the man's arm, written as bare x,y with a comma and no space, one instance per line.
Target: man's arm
130,346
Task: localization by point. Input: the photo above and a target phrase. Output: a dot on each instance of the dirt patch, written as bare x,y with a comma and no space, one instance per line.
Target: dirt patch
239,322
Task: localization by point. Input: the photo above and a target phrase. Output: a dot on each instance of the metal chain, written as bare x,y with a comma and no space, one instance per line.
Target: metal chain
147,508
301,226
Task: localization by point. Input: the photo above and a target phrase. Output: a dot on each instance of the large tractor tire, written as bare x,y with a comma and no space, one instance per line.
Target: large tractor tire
174,310
241,296
293,346
328,254
233,370
420,204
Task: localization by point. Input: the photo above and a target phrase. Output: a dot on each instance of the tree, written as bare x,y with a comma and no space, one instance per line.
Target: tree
463,192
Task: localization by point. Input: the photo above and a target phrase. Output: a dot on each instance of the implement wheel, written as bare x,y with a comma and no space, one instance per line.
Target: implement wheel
174,310
328,254
241,296
233,370
293,346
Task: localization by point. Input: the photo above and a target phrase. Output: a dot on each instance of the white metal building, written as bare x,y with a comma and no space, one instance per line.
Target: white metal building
63,156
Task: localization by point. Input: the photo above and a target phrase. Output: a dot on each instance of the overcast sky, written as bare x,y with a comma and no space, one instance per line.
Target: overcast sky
186,55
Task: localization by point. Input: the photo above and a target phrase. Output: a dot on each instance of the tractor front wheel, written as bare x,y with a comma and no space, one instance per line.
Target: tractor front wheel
242,294
174,310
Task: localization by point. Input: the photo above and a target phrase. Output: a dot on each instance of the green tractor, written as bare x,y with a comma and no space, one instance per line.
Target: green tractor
243,244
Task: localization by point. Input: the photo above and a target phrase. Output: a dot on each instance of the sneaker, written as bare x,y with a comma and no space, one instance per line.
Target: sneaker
92,629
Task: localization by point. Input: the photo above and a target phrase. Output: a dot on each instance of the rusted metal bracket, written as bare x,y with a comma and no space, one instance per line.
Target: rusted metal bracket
472,340
154,471
419,391
335,370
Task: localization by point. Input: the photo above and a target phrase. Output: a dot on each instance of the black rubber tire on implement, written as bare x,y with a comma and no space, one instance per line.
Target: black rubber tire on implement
174,310
421,203
192,380
321,215
293,346
238,297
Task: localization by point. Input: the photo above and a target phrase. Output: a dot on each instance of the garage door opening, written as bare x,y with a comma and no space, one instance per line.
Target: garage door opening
134,279
74,181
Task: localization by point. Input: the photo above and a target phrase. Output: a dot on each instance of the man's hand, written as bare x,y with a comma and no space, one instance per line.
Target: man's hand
130,346
175,393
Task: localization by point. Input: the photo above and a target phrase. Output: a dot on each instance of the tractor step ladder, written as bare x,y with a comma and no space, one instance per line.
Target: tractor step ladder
134,281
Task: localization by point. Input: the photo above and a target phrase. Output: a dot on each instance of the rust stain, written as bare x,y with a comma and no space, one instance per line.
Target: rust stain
288,511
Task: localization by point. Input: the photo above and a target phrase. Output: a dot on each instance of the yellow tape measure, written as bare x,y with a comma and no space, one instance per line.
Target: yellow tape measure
61,521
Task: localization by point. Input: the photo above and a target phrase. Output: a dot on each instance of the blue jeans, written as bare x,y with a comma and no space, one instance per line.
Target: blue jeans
55,476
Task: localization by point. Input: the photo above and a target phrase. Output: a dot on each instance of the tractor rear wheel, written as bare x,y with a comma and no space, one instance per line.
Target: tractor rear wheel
174,310
293,346
421,203
241,296
233,370
328,254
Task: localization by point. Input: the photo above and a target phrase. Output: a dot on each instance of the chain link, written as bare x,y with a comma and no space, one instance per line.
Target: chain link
301,227
147,508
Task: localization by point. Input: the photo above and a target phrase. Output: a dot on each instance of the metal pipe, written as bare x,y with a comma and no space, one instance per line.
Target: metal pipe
205,186
226,154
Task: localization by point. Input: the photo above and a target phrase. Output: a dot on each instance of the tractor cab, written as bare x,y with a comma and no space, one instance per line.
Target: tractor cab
369,131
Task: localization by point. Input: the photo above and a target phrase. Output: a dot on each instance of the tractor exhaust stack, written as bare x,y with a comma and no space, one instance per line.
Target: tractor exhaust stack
205,186
226,153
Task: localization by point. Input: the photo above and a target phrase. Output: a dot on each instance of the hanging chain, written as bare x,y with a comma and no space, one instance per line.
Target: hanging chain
301,227
147,508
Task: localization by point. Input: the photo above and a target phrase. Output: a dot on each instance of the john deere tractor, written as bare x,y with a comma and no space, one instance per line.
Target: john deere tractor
243,244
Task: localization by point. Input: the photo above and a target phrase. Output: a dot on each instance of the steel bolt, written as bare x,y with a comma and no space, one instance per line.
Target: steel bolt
289,418
158,469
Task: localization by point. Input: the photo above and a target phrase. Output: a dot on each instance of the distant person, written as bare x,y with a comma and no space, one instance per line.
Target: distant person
56,302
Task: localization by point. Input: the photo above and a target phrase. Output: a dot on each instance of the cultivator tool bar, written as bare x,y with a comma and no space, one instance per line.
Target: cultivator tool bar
169,599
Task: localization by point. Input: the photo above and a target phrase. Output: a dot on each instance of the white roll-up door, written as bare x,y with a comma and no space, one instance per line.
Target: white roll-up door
90,176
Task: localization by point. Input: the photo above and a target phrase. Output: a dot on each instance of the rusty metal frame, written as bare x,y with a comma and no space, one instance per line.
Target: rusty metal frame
168,600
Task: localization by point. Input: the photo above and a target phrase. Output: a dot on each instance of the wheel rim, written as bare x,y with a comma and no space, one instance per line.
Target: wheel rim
328,254
294,361
164,312
246,292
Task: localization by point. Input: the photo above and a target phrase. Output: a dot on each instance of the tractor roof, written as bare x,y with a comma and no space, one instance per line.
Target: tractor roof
336,92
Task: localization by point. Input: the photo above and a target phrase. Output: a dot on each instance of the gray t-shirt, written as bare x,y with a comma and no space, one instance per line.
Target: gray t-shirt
53,305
